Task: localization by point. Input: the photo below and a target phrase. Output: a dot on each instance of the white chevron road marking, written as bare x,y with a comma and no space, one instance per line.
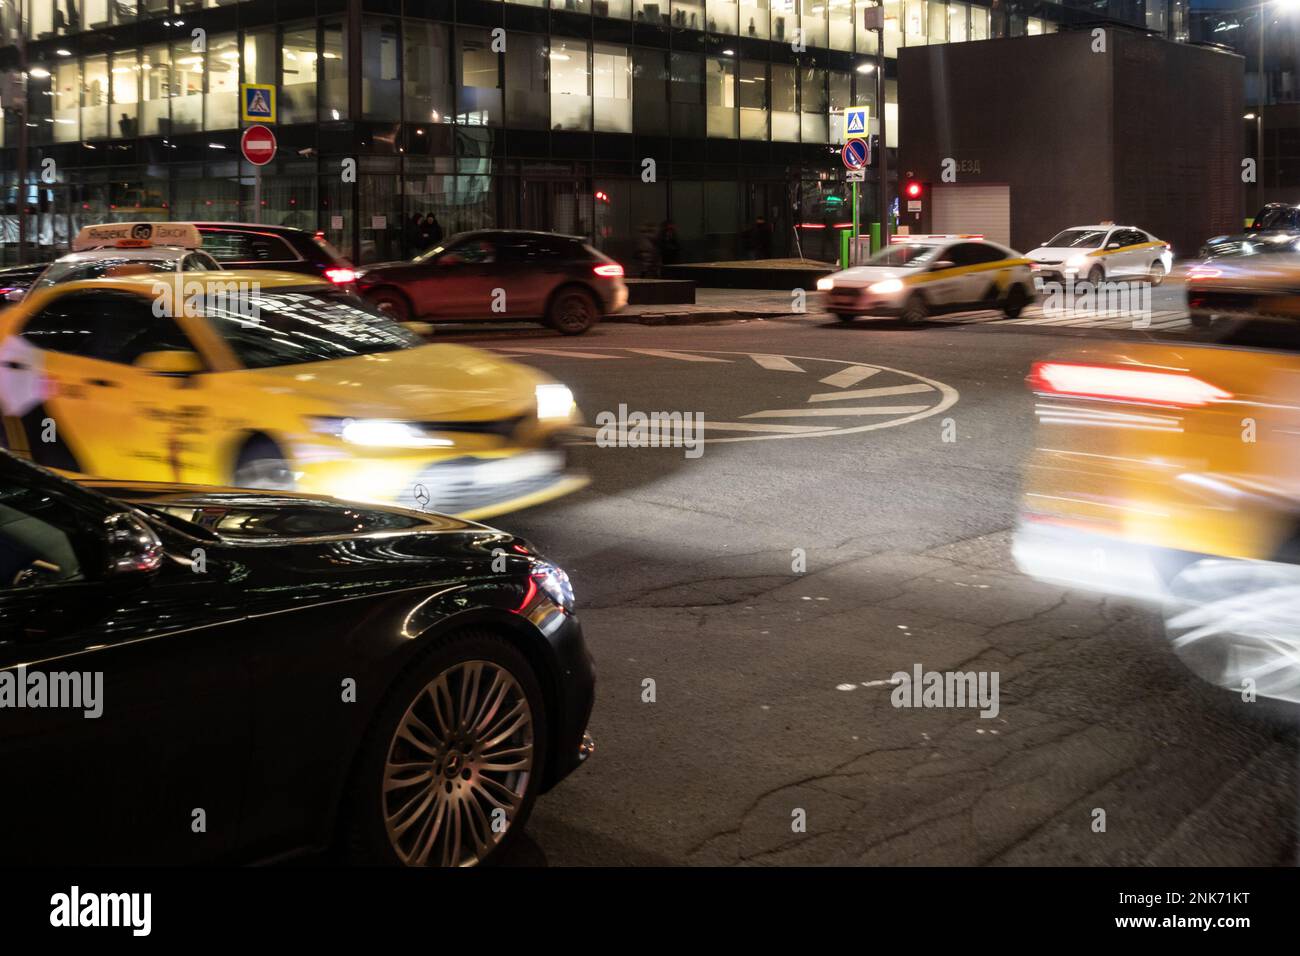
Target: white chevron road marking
870,392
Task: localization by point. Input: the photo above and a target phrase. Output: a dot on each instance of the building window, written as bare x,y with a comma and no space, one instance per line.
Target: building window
619,9
94,97
752,95
570,84
527,105
720,94
867,40
687,95
841,98
124,119
155,91
425,73
688,14
814,106
67,102
812,21
785,20
841,25
612,86
298,75
478,73
937,25
333,71
893,26
1034,26
754,18
573,6
979,22
380,70
187,89
653,12
723,16
957,22
221,110
785,104
259,56
650,92
914,23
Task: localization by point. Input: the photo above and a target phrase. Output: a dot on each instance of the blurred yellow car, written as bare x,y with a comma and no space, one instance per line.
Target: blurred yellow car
1171,473
278,381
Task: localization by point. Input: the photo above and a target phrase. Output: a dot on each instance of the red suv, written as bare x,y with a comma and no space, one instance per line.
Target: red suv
500,274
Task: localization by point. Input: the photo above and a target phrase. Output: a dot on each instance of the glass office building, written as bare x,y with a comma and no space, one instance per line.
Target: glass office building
595,117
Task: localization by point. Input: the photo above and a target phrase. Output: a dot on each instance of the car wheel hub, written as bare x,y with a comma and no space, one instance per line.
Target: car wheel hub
458,766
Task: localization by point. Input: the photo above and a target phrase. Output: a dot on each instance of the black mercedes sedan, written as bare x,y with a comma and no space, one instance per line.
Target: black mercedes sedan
198,675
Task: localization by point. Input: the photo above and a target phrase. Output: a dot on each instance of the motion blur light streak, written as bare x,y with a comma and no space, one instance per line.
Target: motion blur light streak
1124,384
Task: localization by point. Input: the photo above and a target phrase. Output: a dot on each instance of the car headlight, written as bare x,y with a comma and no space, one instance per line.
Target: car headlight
378,433
554,402
1077,262
886,287
825,284
554,583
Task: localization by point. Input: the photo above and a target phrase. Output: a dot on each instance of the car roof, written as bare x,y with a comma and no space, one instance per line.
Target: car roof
251,227
142,253
145,284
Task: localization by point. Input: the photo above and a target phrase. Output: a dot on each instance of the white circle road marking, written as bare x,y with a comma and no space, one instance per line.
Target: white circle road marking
948,394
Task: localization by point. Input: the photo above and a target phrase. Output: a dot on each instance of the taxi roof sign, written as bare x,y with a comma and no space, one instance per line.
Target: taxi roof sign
138,235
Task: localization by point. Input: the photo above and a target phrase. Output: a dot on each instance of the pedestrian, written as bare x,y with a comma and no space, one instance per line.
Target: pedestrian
412,235
669,247
435,229
426,233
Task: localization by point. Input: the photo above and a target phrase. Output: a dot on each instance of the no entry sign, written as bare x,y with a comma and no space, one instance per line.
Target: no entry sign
258,145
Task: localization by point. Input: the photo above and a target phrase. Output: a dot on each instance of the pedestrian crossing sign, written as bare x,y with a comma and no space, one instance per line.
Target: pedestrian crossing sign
855,121
257,101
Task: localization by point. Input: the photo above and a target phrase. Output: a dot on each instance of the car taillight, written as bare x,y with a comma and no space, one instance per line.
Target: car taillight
1203,272
1123,384
341,276
610,270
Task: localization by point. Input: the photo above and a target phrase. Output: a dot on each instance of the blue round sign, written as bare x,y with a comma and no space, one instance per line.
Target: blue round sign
854,154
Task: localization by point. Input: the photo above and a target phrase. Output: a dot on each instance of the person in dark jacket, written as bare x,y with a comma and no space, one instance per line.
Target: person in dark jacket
669,247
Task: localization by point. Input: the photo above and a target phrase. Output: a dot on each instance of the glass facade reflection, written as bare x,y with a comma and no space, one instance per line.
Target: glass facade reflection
484,112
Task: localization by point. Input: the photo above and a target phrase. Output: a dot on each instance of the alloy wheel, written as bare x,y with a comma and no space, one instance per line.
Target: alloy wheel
458,766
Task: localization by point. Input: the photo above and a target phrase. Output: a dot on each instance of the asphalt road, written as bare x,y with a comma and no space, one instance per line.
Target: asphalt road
765,695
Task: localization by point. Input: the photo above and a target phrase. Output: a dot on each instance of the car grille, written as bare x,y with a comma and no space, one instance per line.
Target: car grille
504,427
467,484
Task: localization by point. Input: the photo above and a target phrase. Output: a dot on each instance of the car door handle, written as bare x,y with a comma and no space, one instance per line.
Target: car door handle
101,382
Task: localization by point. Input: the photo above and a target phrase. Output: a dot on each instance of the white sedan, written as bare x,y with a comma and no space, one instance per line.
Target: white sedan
920,276
1101,252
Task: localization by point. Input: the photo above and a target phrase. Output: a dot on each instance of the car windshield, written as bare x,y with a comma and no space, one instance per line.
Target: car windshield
907,255
1077,239
1275,217
295,326
100,268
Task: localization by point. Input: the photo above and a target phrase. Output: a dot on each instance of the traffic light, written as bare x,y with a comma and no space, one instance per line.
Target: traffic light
913,189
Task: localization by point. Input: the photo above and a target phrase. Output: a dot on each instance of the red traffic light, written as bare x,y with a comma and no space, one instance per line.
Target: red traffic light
913,190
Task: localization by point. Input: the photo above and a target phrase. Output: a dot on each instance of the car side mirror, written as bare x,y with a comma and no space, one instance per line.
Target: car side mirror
130,545
1112,245
943,264
170,362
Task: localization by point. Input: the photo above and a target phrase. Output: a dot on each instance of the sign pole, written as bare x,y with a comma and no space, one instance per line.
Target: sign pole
257,194
854,251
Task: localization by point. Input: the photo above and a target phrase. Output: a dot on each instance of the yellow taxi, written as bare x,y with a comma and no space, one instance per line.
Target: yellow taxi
1170,473
274,380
